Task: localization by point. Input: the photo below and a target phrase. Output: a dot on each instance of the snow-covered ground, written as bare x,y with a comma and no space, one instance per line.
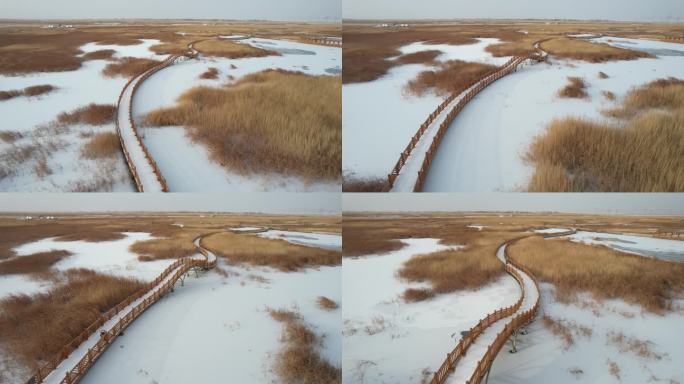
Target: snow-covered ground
318,240
75,89
483,148
672,250
379,118
543,358
389,341
218,327
551,230
189,166
111,257
21,284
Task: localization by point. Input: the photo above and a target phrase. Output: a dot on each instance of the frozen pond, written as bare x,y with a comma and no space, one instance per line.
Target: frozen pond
318,240
670,250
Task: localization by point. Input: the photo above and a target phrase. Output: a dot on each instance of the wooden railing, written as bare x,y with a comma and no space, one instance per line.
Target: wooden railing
180,267
510,66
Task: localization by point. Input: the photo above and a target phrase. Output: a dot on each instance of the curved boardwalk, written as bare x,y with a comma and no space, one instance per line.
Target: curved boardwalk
470,361
77,357
410,170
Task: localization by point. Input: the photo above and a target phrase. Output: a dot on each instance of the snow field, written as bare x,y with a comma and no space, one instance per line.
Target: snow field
387,340
75,89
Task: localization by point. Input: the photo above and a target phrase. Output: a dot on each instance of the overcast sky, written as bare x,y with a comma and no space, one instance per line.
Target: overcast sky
281,203
645,10
304,10
614,203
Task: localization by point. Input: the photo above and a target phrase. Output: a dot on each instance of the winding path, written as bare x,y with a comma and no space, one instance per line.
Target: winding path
473,356
71,364
410,170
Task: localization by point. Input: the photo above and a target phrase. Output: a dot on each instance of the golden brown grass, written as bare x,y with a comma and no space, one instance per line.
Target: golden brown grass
613,368
10,136
608,95
37,90
601,271
576,88
211,73
453,270
102,54
420,57
91,114
451,77
128,67
34,328
638,347
298,362
351,184
559,329
34,263
578,49
34,90
254,250
326,303
102,145
272,121
177,244
366,50
642,153
231,49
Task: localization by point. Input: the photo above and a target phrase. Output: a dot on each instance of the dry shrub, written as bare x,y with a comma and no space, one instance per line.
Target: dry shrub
365,51
613,368
577,49
602,75
326,304
210,74
10,136
643,153
129,67
91,114
452,270
174,247
365,185
298,362
41,168
34,328
276,253
102,54
559,329
6,95
34,263
515,45
421,57
102,145
37,90
610,96
362,240
576,88
659,94
417,294
640,348
451,77
34,90
231,49
271,121
607,274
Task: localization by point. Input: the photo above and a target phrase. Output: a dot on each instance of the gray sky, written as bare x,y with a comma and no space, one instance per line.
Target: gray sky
643,10
613,203
281,203
304,10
